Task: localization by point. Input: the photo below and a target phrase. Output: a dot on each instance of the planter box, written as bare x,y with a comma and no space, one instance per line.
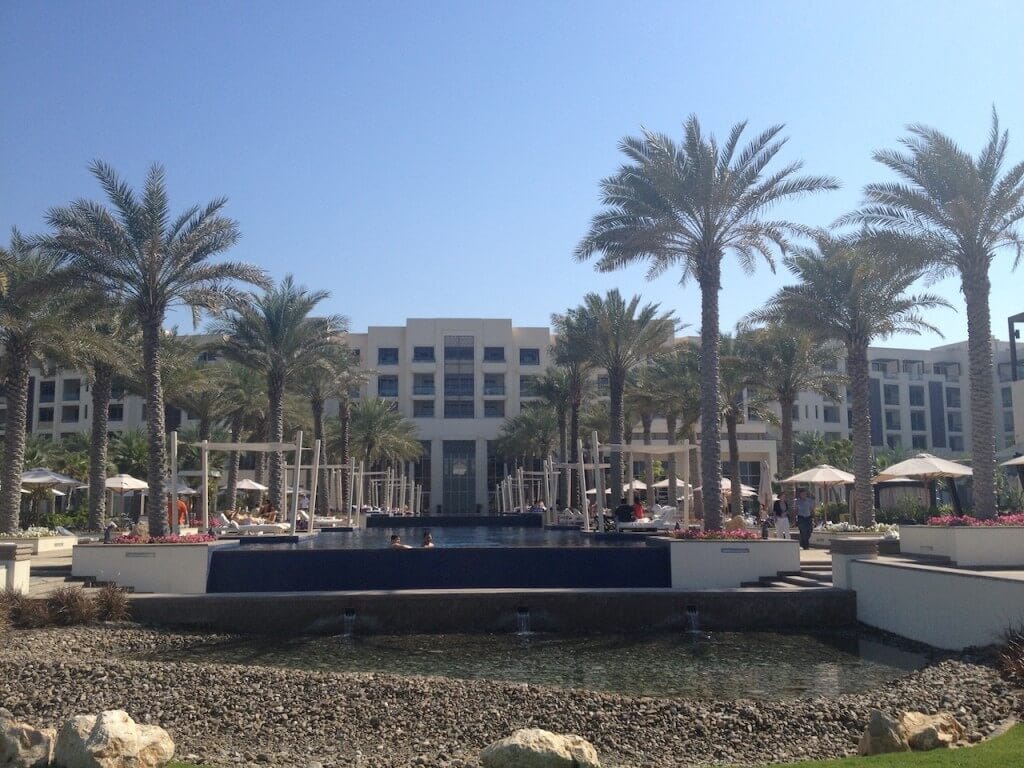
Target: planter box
14,567
163,568
1001,545
728,564
824,538
44,544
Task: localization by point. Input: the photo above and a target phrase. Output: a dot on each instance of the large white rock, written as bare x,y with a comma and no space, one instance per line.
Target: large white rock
111,740
537,748
22,746
926,732
882,735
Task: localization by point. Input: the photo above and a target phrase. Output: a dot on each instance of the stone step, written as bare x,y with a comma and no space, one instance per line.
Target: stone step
818,575
803,581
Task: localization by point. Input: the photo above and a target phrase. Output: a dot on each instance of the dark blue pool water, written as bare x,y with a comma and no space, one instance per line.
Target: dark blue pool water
476,536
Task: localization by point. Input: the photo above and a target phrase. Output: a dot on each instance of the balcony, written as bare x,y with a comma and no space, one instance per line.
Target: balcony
423,390
494,390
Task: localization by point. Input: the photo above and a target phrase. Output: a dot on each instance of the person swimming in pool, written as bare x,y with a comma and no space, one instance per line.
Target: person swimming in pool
396,542
428,541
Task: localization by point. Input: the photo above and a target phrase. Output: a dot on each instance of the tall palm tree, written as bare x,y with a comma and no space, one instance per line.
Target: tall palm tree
380,433
555,388
853,290
246,391
963,210
622,335
350,378
530,434
148,262
789,361
275,332
570,353
687,205
39,316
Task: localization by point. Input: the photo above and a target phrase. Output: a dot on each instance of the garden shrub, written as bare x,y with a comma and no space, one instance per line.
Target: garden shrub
111,603
69,606
1011,656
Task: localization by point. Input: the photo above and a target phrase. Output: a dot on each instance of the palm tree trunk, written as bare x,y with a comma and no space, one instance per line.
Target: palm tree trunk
736,502
233,461
647,420
857,370
786,459
155,426
275,434
617,387
671,424
574,438
976,290
710,413
204,428
563,485
16,393
345,438
322,505
103,376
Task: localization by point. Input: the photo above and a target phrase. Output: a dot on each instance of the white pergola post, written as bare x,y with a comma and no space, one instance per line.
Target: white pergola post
547,489
412,487
204,489
401,492
350,497
295,478
598,478
313,483
630,491
359,492
522,490
175,525
583,486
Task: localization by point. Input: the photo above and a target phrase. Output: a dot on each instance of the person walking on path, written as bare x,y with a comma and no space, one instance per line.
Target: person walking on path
804,517
781,508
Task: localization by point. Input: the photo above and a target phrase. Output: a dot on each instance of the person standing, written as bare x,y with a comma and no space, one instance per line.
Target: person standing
781,509
804,517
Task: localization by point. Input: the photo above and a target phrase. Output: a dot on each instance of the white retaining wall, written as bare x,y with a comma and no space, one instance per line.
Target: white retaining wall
728,564
966,546
939,606
45,544
161,568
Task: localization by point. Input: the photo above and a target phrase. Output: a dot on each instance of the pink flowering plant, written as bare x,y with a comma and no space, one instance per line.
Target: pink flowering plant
193,538
966,521
695,535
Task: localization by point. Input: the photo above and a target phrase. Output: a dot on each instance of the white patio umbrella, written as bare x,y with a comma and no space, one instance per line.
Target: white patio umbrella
125,483
593,491
745,490
925,466
664,483
40,477
245,484
764,486
637,485
823,474
1017,462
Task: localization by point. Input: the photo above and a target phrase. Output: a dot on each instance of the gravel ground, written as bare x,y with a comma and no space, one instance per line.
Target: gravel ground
227,715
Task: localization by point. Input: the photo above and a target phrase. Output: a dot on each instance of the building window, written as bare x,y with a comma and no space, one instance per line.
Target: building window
796,413
604,387
69,414
529,356
917,422
458,384
528,386
47,392
494,409
952,397
387,386
892,394
831,413
115,412
919,441
956,443
117,388
423,384
494,384
458,477
423,354
458,409
894,441
387,356
45,416
72,390
423,409
849,418
458,348
1007,397
955,422
1007,421
916,395
494,354
892,420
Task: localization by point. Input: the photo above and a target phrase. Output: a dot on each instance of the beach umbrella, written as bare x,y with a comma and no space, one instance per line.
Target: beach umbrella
823,474
1017,462
764,486
745,490
125,483
926,468
664,483
593,491
249,485
40,477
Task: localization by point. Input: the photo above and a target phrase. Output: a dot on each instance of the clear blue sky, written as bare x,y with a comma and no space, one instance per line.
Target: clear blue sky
437,158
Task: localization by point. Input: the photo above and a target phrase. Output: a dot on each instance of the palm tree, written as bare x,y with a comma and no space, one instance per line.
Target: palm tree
530,434
129,452
555,388
351,377
246,391
688,205
39,317
789,361
853,290
379,433
193,383
274,332
643,398
622,335
570,353
148,262
678,386
962,211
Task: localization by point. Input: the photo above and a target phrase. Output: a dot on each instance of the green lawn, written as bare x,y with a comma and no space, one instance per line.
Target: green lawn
1003,752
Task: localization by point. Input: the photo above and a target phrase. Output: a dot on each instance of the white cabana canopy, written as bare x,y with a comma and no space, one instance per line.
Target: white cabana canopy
823,474
125,483
40,477
925,466
246,484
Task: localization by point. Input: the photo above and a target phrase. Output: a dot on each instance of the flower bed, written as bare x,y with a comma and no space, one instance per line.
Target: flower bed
966,521
967,541
193,538
42,539
696,535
